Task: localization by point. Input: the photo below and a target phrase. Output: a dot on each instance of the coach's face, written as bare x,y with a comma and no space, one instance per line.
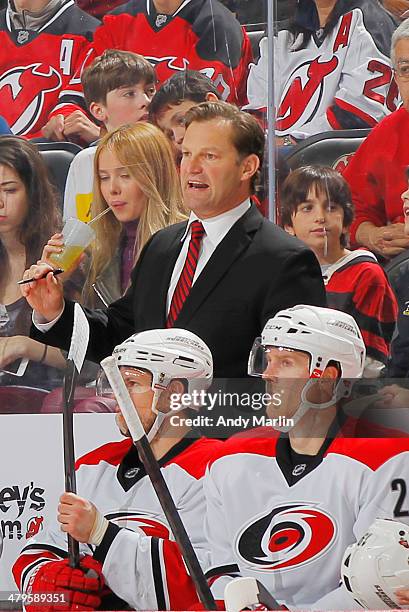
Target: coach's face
214,178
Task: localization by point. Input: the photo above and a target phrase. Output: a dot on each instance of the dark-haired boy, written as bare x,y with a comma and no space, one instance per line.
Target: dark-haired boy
118,87
316,207
176,96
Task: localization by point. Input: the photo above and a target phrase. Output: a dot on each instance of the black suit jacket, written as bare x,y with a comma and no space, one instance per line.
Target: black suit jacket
255,271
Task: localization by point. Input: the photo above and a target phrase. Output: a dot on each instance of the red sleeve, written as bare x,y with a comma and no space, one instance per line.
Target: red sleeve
71,97
375,301
364,173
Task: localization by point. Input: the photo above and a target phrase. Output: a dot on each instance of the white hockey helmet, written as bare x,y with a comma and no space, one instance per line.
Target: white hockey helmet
168,354
326,335
376,566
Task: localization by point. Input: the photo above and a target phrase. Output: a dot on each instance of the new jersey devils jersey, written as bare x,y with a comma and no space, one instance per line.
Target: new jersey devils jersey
142,564
287,520
339,80
40,70
200,35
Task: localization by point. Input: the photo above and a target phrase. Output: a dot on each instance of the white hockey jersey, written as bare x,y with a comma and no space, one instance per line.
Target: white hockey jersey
142,564
287,523
339,80
79,186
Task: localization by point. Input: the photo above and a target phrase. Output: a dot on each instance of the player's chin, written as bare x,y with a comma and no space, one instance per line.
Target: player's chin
122,426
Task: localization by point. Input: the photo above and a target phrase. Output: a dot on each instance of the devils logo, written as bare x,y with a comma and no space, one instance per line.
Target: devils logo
287,537
23,90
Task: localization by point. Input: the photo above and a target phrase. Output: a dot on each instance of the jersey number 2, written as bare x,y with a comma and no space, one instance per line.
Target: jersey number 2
399,485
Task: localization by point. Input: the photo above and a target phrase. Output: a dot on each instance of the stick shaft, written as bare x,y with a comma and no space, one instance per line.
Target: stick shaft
70,378
178,529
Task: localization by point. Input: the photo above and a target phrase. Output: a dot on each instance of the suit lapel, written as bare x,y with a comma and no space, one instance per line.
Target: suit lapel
231,247
171,253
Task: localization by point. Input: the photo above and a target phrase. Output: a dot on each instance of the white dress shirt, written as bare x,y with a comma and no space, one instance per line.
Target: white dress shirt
216,229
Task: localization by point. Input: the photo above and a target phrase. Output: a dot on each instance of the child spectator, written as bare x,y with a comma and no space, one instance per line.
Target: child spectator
136,177
175,34
316,207
172,101
28,214
118,87
44,44
332,68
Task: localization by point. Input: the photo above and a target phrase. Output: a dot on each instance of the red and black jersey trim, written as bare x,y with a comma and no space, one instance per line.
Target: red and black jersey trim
213,574
60,552
101,551
157,574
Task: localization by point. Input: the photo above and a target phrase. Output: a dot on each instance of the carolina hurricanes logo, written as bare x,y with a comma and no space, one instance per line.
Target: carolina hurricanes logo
286,538
173,62
23,90
304,93
149,524
34,525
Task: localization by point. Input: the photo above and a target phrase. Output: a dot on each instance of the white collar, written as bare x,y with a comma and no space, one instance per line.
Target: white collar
217,227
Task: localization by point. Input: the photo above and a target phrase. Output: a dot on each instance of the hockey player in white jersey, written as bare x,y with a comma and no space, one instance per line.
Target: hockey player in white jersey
118,519
282,506
332,68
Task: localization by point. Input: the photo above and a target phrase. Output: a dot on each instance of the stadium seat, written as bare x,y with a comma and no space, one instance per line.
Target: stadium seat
396,267
85,400
327,149
21,400
58,157
255,36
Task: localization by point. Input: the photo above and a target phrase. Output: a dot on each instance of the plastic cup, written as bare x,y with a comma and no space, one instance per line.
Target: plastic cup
77,235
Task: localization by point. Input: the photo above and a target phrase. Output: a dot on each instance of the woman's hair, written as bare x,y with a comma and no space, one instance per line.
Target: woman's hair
325,180
43,216
148,156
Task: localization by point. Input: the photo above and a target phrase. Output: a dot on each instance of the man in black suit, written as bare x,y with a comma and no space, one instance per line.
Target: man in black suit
243,269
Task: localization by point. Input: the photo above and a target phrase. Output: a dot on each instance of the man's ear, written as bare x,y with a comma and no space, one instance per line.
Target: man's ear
250,165
176,386
211,97
289,229
98,111
331,371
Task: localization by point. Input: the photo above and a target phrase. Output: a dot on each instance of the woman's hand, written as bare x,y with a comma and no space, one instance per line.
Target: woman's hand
19,347
45,294
54,245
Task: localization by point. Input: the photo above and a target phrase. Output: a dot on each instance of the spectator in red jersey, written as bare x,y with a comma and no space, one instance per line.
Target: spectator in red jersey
376,173
175,35
316,207
44,44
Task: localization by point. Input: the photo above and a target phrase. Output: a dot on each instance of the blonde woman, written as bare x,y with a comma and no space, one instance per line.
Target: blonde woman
136,177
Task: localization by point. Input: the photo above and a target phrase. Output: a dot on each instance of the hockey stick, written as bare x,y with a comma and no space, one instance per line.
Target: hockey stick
243,593
158,482
75,360
70,378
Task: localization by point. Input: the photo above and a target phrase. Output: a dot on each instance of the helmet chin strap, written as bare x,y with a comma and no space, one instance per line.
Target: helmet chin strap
305,404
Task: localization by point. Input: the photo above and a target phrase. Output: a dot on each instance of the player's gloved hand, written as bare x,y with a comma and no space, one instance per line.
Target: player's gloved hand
68,588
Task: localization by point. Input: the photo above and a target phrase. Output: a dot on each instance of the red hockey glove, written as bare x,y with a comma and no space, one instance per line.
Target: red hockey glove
57,587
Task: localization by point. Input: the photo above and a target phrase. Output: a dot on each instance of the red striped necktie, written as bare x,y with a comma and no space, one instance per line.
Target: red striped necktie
185,281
